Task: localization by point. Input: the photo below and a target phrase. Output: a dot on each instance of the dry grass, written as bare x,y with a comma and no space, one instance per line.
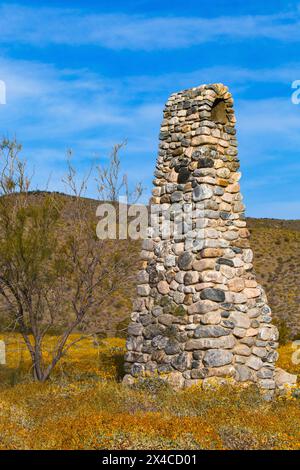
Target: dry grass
85,406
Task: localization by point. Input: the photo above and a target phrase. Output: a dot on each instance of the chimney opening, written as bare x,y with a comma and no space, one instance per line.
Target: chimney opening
218,112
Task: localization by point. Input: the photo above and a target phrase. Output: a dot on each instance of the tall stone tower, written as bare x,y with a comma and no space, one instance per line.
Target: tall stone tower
200,312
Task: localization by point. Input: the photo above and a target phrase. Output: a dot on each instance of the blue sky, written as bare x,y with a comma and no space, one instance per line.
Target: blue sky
87,74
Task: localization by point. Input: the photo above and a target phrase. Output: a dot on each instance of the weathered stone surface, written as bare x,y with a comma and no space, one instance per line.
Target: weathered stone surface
268,384
203,306
163,287
214,331
260,352
134,343
191,277
254,363
211,252
176,196
200,373
211,318
251,293
252,332
148,244
157,311
145,319
269,333
153,330
213,276
175,380
202,192
178,297
203,139
227,271
242,350
143,290
243,373
283,378
131,356
172,346
183,175
135,329
164,368
205,162
240,319
181,361
226,342
166,319
201,265
128,380
239,332
137,370
236,297
216,295
222,371
2,353
250,283
227,262
143,277
159,342
265,373
217,358
185,260
236,284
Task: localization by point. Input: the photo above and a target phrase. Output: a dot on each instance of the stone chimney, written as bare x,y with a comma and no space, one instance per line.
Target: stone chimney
199,312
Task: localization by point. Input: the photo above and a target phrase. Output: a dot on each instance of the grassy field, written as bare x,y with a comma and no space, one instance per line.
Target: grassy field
84,406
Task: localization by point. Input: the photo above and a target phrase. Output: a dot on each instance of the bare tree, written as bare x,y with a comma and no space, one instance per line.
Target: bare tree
53,276
111,183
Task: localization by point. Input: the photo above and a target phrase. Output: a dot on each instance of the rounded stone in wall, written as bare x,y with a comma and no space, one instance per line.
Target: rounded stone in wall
183,175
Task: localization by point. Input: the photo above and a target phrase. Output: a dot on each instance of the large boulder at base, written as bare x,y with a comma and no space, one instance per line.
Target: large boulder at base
284,379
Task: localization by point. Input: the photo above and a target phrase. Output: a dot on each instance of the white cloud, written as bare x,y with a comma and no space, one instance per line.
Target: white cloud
71,26
59,101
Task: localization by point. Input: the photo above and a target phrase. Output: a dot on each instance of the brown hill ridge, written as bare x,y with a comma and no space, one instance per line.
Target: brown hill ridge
276,246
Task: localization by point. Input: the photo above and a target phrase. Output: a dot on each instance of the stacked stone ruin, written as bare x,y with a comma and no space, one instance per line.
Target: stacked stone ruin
199,312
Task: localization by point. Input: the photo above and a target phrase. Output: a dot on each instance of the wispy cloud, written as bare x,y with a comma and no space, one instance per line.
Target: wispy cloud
52,109
39,26
61,103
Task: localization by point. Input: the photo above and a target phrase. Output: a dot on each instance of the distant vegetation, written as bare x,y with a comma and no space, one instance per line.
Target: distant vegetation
276,246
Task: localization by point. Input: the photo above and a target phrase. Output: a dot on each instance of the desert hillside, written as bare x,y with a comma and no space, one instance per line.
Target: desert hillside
276,246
